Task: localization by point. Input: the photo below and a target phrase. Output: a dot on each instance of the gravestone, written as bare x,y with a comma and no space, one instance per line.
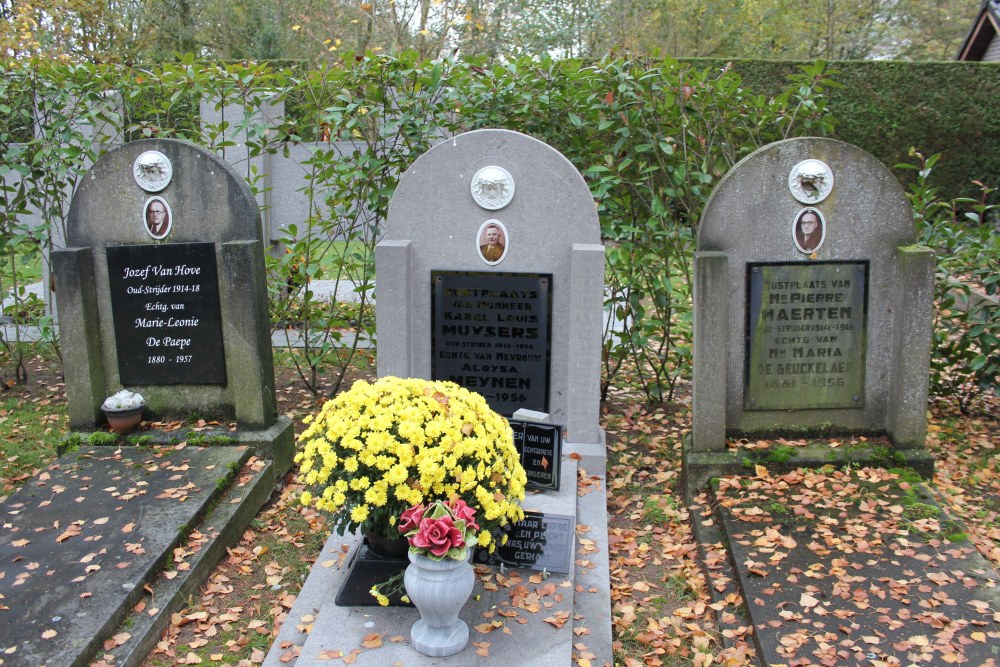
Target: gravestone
161,290
490,274
812,305
541,541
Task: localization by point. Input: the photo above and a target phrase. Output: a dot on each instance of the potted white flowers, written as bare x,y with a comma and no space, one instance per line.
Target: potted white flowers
123,410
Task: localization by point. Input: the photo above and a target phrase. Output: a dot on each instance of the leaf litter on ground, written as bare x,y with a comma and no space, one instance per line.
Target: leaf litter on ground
662,608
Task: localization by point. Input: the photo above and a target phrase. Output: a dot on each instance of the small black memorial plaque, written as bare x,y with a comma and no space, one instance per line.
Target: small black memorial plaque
491,335
806,336
366,569
539,542
168,326
540,446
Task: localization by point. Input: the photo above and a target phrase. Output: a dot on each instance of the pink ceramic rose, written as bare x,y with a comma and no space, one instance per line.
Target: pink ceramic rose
410,519
441,529
439,536
462,512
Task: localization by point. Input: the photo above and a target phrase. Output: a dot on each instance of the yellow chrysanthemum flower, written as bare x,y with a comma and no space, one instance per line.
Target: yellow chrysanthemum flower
394,443
376,495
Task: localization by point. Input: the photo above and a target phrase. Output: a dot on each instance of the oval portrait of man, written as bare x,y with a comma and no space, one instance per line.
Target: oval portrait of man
156,217
492,241
809,230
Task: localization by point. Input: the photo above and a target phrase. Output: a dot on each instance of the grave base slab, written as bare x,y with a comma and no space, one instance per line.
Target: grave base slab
848,582
700,467
570,619
98,526
276,443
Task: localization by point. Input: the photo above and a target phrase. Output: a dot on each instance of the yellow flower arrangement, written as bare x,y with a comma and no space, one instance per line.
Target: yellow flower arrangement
382,447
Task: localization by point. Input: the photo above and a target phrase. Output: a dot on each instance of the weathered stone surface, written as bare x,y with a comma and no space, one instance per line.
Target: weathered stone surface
208,203
79,542
869,573
582,600
852,356
551,228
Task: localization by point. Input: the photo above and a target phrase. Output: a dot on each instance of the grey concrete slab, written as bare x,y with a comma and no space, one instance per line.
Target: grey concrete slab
23,332
700,467
864,573
342,291
592,586
562,501
80,540
276,443
522,638
295,338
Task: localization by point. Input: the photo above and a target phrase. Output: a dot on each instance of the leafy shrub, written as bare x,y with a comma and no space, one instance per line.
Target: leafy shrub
656,138
965,362
886,106
651,137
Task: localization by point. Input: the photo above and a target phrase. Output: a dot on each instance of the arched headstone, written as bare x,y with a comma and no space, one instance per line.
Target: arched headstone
812,305
491,274
161,289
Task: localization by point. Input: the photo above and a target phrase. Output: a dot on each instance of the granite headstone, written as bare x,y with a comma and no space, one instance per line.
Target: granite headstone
812,303
490,274
161,290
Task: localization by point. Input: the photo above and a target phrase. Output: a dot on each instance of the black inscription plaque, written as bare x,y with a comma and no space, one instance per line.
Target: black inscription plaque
806,336
539,542
168,326
540,447
491,335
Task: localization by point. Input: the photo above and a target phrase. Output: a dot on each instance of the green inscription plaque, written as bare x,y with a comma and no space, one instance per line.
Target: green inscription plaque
805,336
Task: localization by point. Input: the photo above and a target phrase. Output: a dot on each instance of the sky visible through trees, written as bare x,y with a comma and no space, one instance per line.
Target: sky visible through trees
144,31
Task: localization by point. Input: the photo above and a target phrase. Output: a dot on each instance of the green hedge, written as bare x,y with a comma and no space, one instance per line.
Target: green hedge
887,107
884,107
652,139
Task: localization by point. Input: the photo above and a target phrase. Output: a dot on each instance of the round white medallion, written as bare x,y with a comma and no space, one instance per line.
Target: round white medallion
152,171
810,181
492,187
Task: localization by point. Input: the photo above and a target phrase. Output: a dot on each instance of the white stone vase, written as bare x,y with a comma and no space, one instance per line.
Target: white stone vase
439,590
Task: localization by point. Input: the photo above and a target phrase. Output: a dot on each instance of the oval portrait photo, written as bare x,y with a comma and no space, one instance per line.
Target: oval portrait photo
809,230
492,241
156,217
